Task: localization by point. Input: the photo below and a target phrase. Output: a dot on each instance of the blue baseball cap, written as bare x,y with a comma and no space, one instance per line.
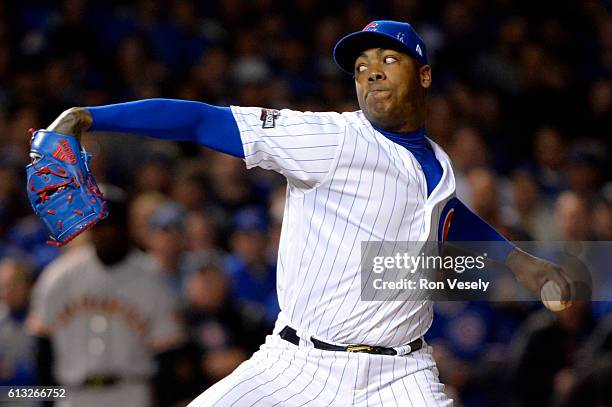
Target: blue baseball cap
379,34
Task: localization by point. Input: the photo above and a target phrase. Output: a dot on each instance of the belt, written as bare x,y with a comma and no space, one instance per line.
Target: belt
101,381
105,381
290,335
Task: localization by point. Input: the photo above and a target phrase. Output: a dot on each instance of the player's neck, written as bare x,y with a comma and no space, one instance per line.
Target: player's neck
415,122
415,114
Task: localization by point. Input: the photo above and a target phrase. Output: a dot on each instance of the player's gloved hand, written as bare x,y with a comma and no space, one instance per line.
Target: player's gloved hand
60,186
534,273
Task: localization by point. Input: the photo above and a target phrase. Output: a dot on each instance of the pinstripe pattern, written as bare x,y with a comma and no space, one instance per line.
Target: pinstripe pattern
347,184
300,376
323,291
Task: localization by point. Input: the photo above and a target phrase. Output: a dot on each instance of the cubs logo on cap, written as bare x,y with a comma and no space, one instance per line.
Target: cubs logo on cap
379,34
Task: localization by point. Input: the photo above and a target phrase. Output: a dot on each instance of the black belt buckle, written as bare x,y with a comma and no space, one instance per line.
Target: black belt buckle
373,350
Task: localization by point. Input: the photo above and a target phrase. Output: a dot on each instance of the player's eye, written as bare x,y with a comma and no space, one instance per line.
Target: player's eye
360,68
390,60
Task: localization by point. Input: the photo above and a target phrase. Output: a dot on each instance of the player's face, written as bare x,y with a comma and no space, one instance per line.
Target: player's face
390,87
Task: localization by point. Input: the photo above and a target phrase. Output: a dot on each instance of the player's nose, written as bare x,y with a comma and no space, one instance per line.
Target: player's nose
376,75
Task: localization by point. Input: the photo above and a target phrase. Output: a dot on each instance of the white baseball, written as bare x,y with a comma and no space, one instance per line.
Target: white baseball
551,297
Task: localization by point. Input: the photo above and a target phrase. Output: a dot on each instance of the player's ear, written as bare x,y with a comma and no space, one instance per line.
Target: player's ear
425,76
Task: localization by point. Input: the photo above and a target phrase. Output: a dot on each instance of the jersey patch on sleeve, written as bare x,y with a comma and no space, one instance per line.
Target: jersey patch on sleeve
268,118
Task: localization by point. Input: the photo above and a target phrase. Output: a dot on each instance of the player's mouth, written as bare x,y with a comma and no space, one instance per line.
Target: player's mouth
377,89
379,94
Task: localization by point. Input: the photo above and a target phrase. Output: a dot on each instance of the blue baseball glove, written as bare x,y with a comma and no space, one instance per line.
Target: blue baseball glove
61,188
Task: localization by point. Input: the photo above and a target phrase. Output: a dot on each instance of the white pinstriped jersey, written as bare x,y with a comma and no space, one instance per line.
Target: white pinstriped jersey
347,183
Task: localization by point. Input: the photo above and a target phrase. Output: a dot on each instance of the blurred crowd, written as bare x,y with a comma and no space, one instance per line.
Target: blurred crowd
521,101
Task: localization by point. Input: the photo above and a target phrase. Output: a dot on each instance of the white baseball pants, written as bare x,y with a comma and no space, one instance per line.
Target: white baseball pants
282,374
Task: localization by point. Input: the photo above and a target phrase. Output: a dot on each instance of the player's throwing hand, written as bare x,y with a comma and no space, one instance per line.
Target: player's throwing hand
539,277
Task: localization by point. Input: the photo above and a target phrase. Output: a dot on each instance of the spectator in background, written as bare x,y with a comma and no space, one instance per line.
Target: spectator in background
189,187
253,273
296,70
549,151
585,161
453,349
140,210
10,204
573,216
529,212
484,199
224,332
230,184
599,120
602,217
16,351
19,119
597,346
155,174
593,388
441,122
29,236
545,348
138,74
500,66
468,152
166,244
211,75
251,67
201,233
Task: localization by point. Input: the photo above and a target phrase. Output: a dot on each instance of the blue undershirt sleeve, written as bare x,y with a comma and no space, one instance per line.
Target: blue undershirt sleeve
467,226
171,119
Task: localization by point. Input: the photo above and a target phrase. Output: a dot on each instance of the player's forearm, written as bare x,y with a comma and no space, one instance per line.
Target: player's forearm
166,119
531,272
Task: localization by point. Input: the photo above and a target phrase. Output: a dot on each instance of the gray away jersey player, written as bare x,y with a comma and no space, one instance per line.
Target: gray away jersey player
347,183
103,320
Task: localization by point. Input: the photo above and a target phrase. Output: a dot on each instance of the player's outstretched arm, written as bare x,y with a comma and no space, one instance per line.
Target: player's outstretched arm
266,138
166,119
60,186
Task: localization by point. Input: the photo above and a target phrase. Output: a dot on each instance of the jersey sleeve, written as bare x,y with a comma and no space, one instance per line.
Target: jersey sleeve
303,146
